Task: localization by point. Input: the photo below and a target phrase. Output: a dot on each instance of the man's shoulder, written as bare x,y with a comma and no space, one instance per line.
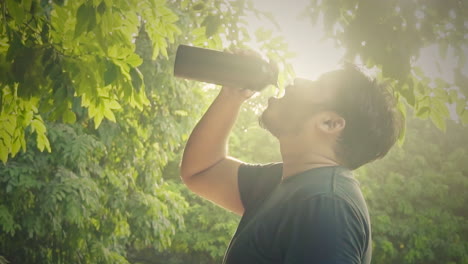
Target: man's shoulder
327,185
329,181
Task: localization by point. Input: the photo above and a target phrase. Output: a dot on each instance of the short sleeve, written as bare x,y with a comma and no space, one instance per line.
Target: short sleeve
257,181
324,230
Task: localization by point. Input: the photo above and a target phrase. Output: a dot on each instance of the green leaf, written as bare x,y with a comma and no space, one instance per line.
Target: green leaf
439,107
134,60
106,22
98,119
114,105
69,117
27,118
38,126
199,32
3,152
124,69
109,114
16,11
102,8
438,120
91,20
43,143
110,74
423,112
212,24
15,147
5,137
82,21
9,125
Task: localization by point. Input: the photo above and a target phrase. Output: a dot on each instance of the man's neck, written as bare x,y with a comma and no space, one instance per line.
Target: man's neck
297,158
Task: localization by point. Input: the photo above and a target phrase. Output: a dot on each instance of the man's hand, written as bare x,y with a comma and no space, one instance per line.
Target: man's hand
240,92
236,93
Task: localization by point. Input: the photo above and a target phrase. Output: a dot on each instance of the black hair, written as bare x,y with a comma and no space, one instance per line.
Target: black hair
373,123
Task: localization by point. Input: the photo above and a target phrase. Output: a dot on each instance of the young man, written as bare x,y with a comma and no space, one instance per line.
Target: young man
309,208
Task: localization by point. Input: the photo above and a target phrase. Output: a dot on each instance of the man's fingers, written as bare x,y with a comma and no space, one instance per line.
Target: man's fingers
239,92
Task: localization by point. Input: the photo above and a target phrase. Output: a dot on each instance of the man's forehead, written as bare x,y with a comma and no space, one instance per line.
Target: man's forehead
329,82
319,90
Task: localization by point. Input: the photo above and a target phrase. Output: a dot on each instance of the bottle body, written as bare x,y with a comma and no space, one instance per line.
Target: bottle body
223,68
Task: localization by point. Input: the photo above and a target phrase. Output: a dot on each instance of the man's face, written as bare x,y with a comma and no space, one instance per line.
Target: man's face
304,98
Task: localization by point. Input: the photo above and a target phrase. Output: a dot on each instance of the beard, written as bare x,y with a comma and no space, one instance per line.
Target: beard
280,123
262,122
272,124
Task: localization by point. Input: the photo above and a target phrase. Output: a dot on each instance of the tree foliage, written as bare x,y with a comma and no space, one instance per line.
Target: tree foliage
76,61
391,34
91,82
68,206
417,198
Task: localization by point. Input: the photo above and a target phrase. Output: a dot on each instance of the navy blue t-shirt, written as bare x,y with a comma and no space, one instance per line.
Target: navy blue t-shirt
317,216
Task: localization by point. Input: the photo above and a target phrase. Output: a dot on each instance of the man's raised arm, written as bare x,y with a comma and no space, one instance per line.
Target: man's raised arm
206,168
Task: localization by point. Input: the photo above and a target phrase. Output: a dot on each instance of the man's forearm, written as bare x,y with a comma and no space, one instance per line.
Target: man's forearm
207,144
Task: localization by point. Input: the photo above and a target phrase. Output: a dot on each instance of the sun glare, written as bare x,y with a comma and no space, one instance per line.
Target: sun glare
314,55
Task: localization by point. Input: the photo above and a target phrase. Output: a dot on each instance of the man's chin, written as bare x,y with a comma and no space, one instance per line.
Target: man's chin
266,124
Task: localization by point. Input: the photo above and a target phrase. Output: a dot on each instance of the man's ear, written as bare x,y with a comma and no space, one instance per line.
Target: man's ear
330,123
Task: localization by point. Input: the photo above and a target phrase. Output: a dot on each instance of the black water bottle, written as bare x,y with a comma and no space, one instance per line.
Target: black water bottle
223,68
